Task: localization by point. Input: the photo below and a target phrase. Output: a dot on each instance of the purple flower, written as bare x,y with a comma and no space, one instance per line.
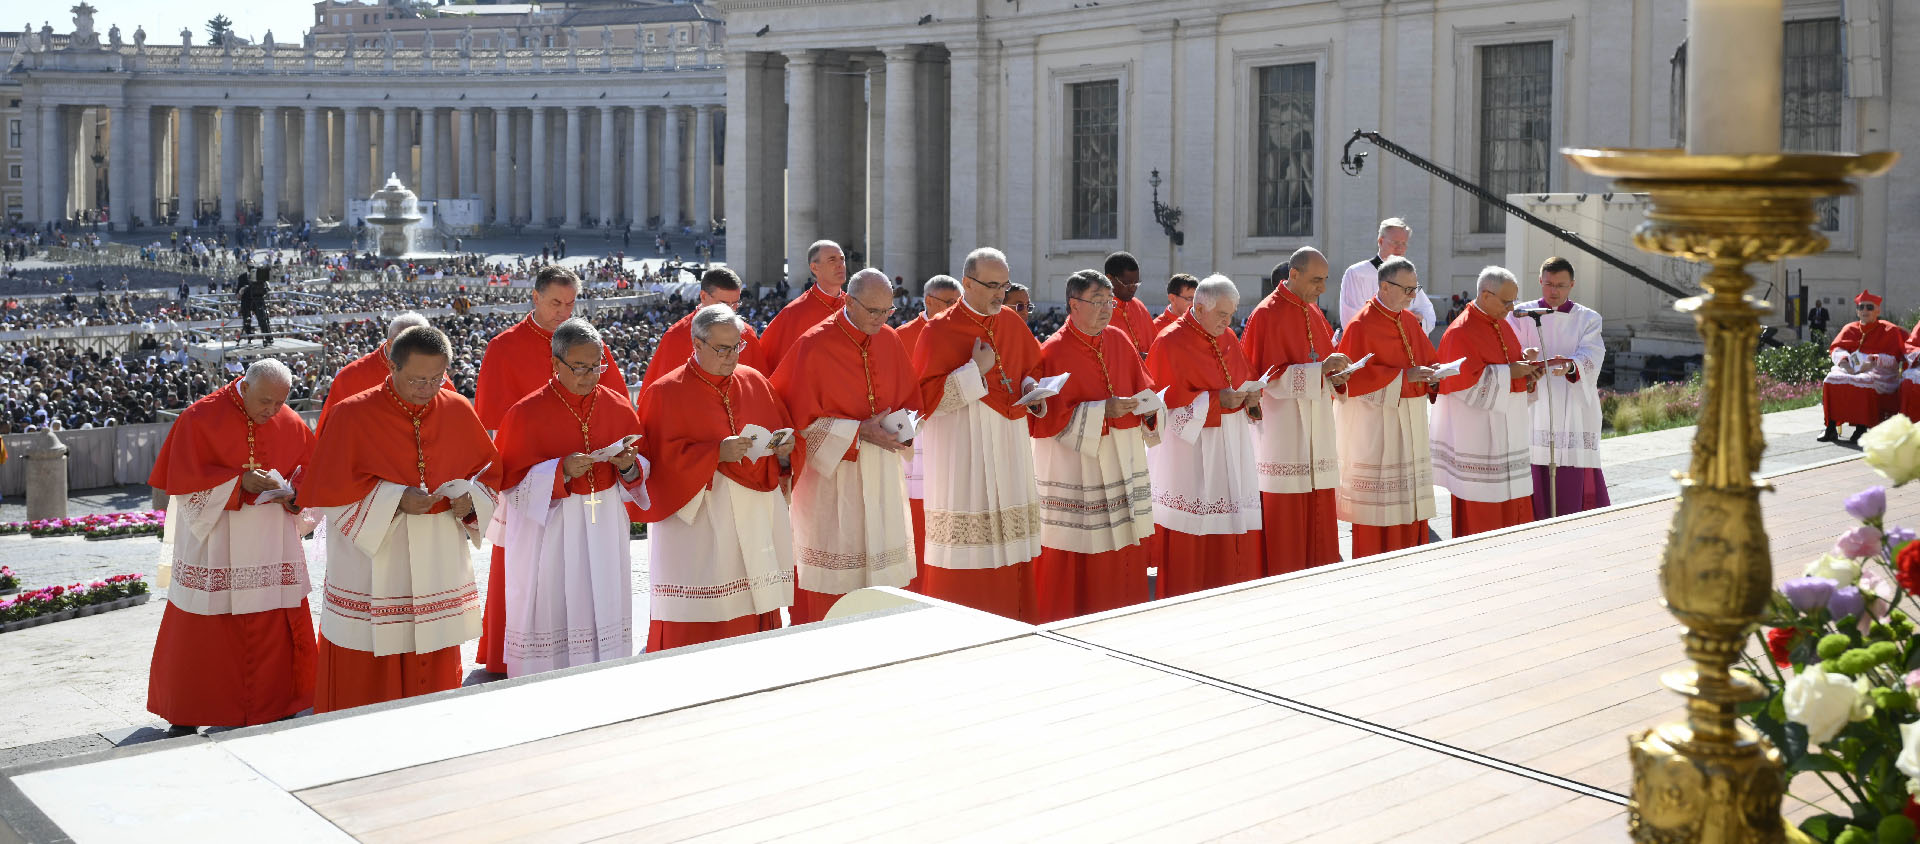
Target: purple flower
1868,504
1863,541
1807,594
1900,536
1846,601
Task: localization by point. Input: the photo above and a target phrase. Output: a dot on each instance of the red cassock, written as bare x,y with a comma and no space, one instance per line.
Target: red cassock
1160,324
518,361
376,441
364,373
683,418
1132,318
1849,404
230,670
1068,584
676,348
917,506
812,308
1483,341
1909,393
1299,530
1397,343
1185,364
947,345
841,373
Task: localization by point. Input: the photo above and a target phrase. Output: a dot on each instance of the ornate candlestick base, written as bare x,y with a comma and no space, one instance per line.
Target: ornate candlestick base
1711,779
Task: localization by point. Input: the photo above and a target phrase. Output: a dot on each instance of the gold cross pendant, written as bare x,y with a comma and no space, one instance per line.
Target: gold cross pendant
249,464
593,508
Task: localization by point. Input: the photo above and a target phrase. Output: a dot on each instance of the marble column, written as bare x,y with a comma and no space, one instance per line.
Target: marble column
537,191
188,181
272,164
389,145
502,198
901,216
335,205
353,165
670,172
463,129
573,158
144,142
963,167
703,169
293,190
638,172
429,153
803,155
119,156
608,170
523,169
229,164
313,180
53,184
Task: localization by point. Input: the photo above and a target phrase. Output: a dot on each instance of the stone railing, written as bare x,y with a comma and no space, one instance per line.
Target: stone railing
254,60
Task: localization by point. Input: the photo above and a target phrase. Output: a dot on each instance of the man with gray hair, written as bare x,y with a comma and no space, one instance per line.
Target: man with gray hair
1482,422
940,293
1206,497
1386,459
850,524
816,304
1362,280
367,371
565,450
236,644
975,363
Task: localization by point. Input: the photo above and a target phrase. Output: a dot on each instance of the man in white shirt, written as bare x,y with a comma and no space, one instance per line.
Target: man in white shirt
1362,280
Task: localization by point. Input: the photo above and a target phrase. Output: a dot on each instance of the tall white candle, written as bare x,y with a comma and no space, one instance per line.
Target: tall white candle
1733,76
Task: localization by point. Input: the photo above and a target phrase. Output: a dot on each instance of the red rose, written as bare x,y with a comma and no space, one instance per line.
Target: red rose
1907,568
1780,645
1912,811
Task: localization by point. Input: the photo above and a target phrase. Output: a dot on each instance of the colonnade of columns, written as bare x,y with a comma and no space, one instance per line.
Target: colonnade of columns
576,166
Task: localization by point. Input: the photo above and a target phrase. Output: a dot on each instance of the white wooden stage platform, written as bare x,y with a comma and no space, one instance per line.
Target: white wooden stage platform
1478,690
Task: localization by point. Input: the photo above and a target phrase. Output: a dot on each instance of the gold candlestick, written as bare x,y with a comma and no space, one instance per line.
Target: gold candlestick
1711,779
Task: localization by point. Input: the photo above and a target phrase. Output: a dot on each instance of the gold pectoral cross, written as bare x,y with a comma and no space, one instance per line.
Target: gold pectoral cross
593,507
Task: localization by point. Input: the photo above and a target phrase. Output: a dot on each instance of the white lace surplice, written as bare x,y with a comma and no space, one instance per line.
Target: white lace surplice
1386,458
397,583
232,562
569,574
1294,437
851,527
1204,481
728,553
1480,450
983,510
1095,496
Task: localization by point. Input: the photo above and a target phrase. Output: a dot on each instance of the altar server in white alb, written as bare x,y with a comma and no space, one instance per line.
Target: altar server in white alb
570,469
1566,417
1482,422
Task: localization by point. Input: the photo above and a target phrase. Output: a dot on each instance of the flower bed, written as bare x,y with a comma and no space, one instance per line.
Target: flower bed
9,582
1677,404
97,526
59,603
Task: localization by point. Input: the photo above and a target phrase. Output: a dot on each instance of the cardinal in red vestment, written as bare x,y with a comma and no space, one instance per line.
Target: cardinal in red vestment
1483,424
718,286
1863,387
721,557
939,294
824,299
1179,299
367,371
519,361
236,644
1386,456
1129,313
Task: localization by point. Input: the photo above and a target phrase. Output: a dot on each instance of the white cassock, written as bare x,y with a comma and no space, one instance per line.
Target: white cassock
1480,435
1361,283
1386,458
851,527
1094,488
983,509
1294,438
1571,437
1204,483
232,562
726,554
401,584
569,572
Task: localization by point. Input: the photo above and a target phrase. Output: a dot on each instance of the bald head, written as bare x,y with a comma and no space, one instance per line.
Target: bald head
869,279
404,322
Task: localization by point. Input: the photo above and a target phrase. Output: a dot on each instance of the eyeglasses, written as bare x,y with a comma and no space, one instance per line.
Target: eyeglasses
581,371
1413,289
422,383
1104,305
725,351
1864,307
877,313
945,303
998,285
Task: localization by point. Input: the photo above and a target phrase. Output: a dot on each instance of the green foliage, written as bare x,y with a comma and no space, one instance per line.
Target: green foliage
218,27
1800,363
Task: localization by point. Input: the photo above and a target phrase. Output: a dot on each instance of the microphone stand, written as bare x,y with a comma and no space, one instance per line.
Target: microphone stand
1553,442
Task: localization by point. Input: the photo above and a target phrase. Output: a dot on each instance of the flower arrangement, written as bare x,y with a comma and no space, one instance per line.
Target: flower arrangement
52,600
96,526
8,580
1841,676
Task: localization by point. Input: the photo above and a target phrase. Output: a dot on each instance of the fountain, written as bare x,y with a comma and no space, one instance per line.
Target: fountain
392,211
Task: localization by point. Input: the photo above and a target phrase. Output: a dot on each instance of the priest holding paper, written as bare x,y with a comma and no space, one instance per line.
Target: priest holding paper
1386,459
1863,387
1090,452
977,364
1483,422
721,559
718,286
1295,438
1566,419
1206,495
570,468
851,377
236,643
406,477
940,293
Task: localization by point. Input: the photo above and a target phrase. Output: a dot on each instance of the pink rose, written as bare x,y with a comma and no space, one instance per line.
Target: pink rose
1862,541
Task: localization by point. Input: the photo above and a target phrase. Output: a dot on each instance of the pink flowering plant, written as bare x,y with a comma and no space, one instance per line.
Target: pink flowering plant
8,580
48,600
95,526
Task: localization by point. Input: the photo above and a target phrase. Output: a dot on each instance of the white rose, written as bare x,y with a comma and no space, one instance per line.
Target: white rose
1844,571
1823,702
1909,759
1892,448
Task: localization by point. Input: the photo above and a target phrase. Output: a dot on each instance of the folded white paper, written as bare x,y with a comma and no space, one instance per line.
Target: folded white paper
281,490
1355,366
903,424
1149,402
607,452
1448,370
763,440
1044,388
461,486
1259,383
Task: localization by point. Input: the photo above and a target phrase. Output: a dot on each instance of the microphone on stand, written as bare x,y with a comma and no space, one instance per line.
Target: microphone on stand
1532,313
